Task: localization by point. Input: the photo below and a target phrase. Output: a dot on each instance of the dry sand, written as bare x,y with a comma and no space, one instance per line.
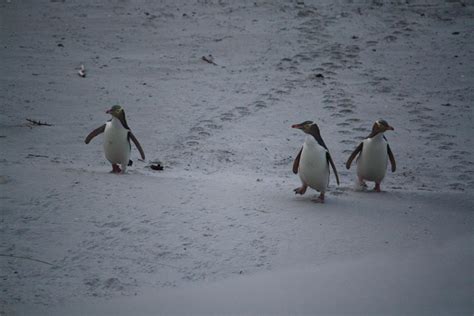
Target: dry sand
219,230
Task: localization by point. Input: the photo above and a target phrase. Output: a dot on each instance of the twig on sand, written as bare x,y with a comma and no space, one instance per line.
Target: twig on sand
209,59
222,38
36,156
39,123
26,258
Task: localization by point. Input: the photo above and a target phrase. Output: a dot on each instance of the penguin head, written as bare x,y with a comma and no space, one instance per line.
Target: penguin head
116,111
306,126
381,126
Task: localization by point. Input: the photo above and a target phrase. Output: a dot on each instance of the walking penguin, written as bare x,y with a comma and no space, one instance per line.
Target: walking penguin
117,136
374,153
312,162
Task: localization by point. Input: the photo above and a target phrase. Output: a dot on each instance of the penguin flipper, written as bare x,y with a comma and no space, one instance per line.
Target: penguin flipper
137,144
94,133
392,158
353,155
329,159
296,163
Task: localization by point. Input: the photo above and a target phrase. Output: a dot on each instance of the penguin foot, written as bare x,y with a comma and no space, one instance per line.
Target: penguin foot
115,169
301,190
358,186
123,167
319,199
377,187
362,183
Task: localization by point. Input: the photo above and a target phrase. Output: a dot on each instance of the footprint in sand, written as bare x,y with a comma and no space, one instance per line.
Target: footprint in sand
345,132
193,137
287,64
438,136
346,100
206,121
360,129
328,99
467,163
446,146
383,89
302,57
346,111
456,186
197,129
414,111
192,143
260,104
346,105
204,134
228,116
243,111
333,66
352,49
390,38
464,177
214,126
347,141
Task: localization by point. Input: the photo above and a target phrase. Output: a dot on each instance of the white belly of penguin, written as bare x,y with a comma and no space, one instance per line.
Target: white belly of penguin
372,163
116,144
314,168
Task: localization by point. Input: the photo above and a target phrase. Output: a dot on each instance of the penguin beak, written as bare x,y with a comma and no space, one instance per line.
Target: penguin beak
297,126
108,111
390,128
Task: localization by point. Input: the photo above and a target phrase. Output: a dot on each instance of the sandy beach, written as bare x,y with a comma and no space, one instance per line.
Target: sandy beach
219,230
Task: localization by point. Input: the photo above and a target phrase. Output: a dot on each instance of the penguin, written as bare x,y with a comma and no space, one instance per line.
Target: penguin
374,153
312,162
117,136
